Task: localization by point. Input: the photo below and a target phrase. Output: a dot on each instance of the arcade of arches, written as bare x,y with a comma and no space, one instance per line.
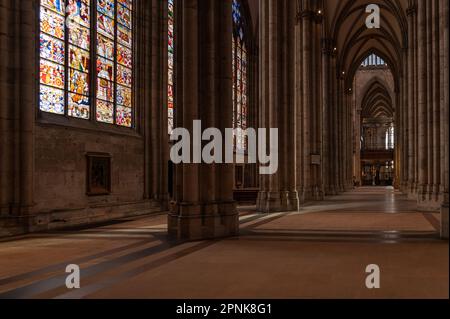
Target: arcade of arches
354,107
84,121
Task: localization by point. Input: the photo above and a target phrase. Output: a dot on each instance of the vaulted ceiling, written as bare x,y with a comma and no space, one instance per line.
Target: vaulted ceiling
345,24
377,101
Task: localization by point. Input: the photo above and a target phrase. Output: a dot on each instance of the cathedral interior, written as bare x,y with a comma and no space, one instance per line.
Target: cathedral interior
93,91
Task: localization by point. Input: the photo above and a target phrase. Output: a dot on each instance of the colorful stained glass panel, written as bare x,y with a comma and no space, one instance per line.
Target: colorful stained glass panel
54,5
52,49
105,112
124,116
106,7
51,100
79,36
124,96
124,76
124,16
124,56
124,36
126,3
113,65
105,47
79,82
239,77
78,106
52,74
105,69
171,61
79,59
52,23
105,90
78,11
105,26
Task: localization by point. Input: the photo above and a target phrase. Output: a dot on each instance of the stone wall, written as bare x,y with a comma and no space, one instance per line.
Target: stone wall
60,168
43,164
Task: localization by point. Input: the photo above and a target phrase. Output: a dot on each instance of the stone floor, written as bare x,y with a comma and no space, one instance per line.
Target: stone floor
321,252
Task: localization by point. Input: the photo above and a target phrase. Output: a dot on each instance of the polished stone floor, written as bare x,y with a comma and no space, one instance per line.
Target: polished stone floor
320,252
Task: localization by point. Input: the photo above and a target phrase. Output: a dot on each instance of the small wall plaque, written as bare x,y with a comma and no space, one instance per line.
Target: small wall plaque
98,174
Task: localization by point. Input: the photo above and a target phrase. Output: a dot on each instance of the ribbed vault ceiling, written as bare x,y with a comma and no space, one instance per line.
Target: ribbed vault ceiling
377,101
345,24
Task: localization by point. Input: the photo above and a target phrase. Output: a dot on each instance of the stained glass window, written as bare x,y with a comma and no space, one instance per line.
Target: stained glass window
373,60
171,52
52,64
240,77
70,32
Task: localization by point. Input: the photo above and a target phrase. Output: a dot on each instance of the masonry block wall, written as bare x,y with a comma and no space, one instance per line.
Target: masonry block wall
43,162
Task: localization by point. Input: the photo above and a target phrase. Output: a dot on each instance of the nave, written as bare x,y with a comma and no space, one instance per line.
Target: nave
319,252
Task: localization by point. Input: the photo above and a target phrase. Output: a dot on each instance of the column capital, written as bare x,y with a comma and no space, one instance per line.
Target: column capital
327,46
411,11
305,15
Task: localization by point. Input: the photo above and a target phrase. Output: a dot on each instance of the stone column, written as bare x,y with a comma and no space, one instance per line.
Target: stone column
7,118
19,103
299,102
415,195
422,102
306,81
445,115
335,74
404,119
155,119
291,138
309,103
270,198
341,136
398,150
204,210
429,107
277,99
316,107
436,195
327,49
411,12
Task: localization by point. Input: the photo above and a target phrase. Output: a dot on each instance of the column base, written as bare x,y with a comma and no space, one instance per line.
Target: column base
191,222
412,195
275,202
427,200
317,193
404,187
269,202
411,191
294,202
331,191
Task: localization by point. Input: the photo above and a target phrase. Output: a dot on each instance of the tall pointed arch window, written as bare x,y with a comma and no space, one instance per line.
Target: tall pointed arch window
171,62
240,77
86,59
390,137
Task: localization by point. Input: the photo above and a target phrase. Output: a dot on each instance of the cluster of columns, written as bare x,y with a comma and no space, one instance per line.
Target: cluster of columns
17,113
338,125
279,192
323,107
425,150
302,93
203,205
152,121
